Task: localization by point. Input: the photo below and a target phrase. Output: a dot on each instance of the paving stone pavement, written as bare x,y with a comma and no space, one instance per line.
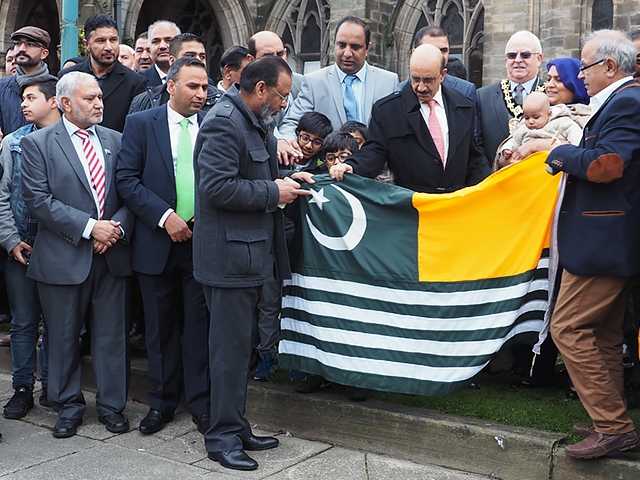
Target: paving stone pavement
28,451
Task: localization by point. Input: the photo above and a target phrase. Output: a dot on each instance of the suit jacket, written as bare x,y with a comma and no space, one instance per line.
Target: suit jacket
59,196
321,92
151,76
599,221
494,117
146,182
238,237
399,136
119,88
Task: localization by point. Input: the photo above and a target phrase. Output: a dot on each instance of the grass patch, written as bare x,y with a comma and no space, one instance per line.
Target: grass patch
499,400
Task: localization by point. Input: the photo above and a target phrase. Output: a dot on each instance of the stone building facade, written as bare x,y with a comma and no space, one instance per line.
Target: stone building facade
478,29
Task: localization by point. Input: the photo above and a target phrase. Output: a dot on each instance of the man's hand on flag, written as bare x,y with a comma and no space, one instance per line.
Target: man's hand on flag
289,190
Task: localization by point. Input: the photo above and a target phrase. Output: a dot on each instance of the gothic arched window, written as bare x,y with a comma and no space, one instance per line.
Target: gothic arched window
602,14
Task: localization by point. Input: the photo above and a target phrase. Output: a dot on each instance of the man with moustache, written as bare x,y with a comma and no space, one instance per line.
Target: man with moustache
344,91
160,35
154,177
142,55
119,84
30,49
81,258
238,241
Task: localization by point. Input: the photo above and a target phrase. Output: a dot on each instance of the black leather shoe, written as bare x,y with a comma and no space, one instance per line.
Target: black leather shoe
357,394
154,421
234,459
66,427
115,422
255,444
203,421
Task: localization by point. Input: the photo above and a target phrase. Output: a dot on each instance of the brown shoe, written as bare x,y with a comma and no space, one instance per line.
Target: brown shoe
583,429
5,341
598,445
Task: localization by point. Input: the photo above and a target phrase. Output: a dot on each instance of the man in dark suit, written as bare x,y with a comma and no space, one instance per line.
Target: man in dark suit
437,36
80,258
154,177
598,242
119,84
424,133
239,242
501,103
160,35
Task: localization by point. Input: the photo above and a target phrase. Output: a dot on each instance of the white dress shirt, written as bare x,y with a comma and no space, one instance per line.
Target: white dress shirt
97,146
599,98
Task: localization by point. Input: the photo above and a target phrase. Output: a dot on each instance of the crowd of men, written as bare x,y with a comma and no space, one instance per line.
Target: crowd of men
134,161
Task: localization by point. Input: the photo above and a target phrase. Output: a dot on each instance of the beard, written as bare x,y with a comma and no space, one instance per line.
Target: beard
25,60
80,117
267,116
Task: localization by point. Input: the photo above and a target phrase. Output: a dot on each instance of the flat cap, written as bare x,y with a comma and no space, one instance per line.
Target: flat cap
33,33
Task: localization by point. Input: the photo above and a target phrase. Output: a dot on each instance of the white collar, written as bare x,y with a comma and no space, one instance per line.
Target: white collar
599,98
361,74
175,117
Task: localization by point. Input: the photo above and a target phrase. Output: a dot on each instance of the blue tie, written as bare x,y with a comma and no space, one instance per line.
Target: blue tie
350,103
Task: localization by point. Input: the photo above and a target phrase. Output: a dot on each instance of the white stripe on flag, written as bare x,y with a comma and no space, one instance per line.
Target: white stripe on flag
412,322
412,345
392,369
414,297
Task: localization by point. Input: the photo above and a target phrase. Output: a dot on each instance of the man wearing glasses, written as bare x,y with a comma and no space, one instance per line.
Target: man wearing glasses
31,47
500,103
598,238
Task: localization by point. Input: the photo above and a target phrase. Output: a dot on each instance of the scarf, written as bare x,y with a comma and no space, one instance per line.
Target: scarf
22,77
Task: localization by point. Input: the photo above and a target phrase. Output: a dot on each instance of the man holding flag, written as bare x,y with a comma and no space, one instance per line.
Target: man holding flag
598,239
424,133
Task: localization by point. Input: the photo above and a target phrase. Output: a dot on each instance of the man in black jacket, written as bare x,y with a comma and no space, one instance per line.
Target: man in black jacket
119,84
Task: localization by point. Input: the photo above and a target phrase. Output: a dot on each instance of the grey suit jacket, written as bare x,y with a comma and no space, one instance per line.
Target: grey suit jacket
321,92
59,196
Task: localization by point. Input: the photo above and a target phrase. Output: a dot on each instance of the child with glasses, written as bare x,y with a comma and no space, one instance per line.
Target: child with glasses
338,146
312,129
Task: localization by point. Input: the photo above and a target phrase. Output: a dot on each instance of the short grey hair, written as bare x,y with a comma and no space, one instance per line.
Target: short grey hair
614,44
68,84
155,24
524,33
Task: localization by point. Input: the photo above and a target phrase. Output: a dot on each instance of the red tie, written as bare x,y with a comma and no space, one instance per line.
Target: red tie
435,130
95,168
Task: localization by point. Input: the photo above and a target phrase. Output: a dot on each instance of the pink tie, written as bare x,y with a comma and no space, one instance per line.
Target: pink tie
95,168
435,130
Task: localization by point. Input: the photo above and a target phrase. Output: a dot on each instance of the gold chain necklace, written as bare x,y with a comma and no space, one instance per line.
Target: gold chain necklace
515,110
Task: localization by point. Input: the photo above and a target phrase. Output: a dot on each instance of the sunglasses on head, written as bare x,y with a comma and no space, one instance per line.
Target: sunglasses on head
526,55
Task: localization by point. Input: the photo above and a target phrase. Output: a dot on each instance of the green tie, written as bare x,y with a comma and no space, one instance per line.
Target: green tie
185,183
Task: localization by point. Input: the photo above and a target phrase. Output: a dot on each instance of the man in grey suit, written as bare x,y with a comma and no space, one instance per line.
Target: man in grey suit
500,104
344,91
238,241
80,258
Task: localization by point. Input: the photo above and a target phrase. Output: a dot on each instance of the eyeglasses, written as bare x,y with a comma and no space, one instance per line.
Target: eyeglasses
283,99
330,158
526,55
584,68
426,81
304,138
28,43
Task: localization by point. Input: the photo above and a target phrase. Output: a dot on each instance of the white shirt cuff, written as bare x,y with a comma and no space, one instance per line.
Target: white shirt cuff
164,217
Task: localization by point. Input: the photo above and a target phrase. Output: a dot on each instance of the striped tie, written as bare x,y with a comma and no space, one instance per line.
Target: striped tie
95,168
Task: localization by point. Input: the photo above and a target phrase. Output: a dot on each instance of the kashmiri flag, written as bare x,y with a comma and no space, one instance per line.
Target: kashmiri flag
410,292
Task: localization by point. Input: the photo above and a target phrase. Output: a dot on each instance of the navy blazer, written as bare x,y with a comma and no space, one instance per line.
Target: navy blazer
145,180
398,135
599,222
